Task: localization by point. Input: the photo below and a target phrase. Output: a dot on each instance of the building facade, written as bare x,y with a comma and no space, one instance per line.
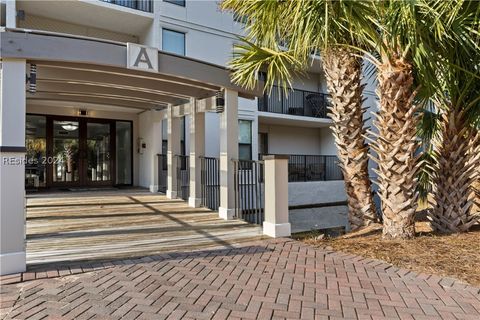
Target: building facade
137,93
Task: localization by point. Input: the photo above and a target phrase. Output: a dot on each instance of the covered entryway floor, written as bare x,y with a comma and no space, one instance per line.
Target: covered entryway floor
118,224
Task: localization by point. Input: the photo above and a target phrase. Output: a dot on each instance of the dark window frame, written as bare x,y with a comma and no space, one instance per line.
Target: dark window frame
247,144
180,3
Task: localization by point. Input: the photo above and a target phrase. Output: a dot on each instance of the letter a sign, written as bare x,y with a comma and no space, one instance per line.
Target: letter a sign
142,57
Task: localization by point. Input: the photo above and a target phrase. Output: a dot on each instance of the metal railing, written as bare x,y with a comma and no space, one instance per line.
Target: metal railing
313,168
162,172
295,102
183,176
142,5
305,168
210,182
249,190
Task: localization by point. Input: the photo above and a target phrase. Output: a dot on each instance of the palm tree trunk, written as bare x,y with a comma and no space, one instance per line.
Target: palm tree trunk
343,73
456,171
476,196
395,147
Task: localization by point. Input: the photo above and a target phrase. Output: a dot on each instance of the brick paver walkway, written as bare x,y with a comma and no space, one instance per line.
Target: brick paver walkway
273,279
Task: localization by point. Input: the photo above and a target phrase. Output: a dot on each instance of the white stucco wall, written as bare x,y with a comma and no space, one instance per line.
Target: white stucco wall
292,140
150,133
327,142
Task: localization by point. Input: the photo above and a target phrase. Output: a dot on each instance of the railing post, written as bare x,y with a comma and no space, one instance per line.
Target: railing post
305,168
325,167
276,222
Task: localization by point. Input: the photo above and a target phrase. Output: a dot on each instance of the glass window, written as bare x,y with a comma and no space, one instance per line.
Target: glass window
245,140
124,152
36,144
98,152
66,141
173,41
177,2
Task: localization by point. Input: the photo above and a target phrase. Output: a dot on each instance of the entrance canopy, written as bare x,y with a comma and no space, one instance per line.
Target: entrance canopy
90,70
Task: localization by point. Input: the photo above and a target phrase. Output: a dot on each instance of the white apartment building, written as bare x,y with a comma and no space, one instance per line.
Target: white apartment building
85,96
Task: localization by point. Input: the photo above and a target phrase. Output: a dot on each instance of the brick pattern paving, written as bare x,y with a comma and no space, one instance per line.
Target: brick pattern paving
273,279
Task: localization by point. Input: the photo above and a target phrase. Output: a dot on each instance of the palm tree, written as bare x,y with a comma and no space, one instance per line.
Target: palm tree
304,27
454,139
408,33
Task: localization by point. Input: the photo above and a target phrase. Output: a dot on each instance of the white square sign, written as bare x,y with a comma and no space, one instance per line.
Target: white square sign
142,57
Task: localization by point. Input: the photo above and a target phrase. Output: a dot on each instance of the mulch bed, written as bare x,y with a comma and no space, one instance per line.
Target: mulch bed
455,255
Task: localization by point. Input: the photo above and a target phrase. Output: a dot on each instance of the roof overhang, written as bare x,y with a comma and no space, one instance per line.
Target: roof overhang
73,68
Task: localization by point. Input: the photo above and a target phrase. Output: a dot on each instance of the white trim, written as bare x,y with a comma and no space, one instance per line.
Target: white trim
225,213
276,230
194,202
171,194
14,262
153,188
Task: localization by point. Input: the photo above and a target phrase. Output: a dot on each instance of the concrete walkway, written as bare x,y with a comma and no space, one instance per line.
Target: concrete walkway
269,279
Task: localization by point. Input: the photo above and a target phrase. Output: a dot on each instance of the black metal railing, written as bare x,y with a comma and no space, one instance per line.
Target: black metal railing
295,102
183,176
305,168
210,182
313,168
249,190
162,172
142,5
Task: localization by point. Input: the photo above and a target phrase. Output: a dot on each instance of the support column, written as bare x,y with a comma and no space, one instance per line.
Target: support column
11,14
12,166
197,150
228,151
155,149
276,222
173,149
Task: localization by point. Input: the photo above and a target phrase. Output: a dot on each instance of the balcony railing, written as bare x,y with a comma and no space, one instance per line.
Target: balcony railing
142,5
306,168
295,102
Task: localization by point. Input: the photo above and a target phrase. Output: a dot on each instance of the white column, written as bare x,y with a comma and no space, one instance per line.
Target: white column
276,197
197,150
228,151
12,166
155,148
173,149
11,14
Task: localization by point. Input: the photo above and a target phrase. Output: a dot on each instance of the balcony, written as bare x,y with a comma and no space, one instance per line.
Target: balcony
142,5
295,102
307,168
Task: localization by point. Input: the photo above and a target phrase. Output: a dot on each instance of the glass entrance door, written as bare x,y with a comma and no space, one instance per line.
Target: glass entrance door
77,152
99,153
82,152
66,147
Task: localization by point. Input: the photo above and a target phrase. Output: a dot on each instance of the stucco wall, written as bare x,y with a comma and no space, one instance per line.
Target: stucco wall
41,23
319,192
316,192
150,132
303,220
292,140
